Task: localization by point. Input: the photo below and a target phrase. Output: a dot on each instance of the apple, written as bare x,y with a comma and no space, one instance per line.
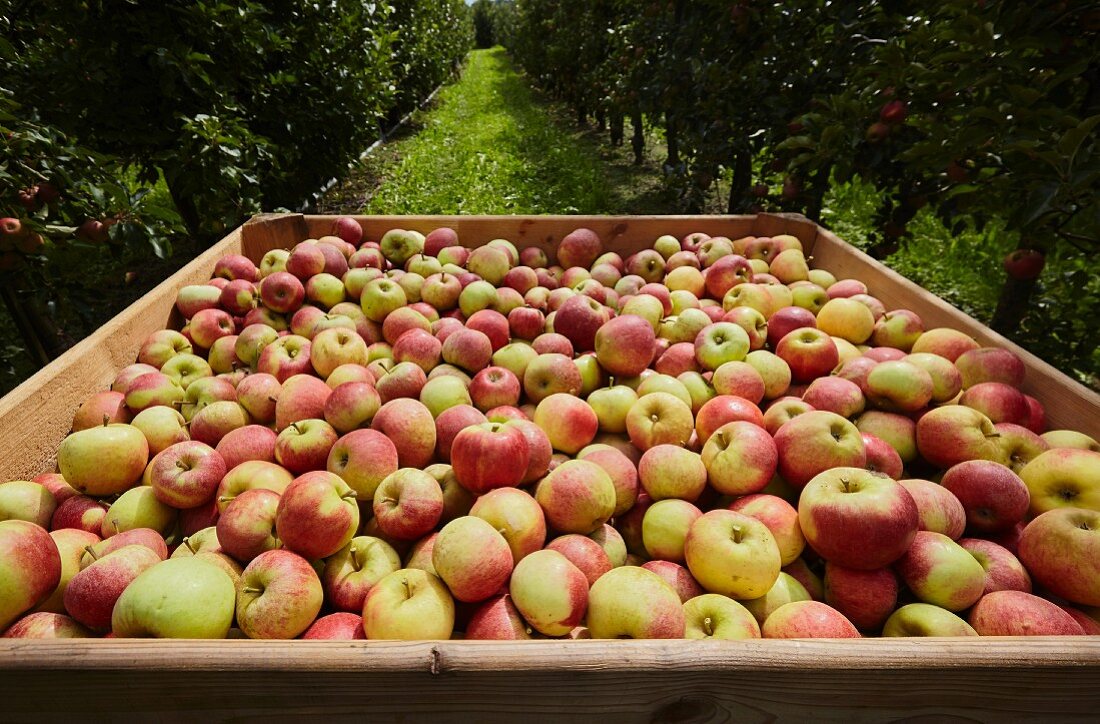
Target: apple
1003,570
924,620
807,619
472,558
659,418
79,512
408,504
946,380
193,298
625,345
489,455
1070,439
410,427
814,442
246,527
740,458
578,320
577,497
1020,444
665,526
147,537
1061,550
945,342
92,593
305,445
498,619
732,554
809,352
678,577
780,517
993,496
669,471
549,374
286,357
941,572
997,401
953,434
1063,477
835,394
866,598
187,474
251,475
857,519
713,616
623,473
939,510
569,423
897,430
897,329
279,596
631,602
515,515
103,460
450,423
25,500
139,508
409,604
898,386
258,394
30,566
317,515
990,364
1015,613
45,625
351,572
183,598
100,408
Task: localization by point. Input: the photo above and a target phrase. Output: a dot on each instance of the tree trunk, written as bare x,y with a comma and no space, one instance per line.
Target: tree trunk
582,114
1015,300
637,141
18,312
819,184
742,179
673,144
616,126
601,120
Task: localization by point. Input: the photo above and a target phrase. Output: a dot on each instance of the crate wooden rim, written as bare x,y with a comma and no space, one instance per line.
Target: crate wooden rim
32,422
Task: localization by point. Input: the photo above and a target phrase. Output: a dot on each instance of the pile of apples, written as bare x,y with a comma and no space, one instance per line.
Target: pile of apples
410,439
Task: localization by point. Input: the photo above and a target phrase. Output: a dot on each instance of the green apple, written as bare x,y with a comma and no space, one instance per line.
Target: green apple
180,598
924,619
634,603
732,554
550,592
24,500
103,460
409,605
786,589
714,616
139,508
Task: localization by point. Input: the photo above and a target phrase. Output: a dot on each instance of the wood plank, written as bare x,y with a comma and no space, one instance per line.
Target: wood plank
621,681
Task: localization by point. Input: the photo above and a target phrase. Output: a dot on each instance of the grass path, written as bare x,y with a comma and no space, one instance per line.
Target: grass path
492,145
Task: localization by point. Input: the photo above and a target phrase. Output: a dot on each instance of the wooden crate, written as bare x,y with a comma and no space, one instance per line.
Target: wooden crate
984,679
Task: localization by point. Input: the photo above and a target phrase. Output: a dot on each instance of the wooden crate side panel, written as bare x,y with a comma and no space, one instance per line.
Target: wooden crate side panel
1068,403
621,681
37,415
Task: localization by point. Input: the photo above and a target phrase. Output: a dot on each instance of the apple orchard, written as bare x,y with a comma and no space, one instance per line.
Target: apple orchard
411,438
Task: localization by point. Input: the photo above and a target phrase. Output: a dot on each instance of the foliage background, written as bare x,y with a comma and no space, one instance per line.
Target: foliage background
171,122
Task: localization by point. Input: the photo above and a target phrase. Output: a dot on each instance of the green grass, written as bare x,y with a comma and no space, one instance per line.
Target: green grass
488,148
965,269
490,144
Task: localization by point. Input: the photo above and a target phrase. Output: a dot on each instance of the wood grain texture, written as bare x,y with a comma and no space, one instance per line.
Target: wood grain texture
620,681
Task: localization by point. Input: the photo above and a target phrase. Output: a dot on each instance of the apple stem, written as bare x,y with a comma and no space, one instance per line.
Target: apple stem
708,626
187,542
91,552
737,534
251,589
408,591
106,420
388,500
350,496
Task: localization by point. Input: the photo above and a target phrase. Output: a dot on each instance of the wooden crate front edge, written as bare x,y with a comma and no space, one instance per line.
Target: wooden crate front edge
1041,679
